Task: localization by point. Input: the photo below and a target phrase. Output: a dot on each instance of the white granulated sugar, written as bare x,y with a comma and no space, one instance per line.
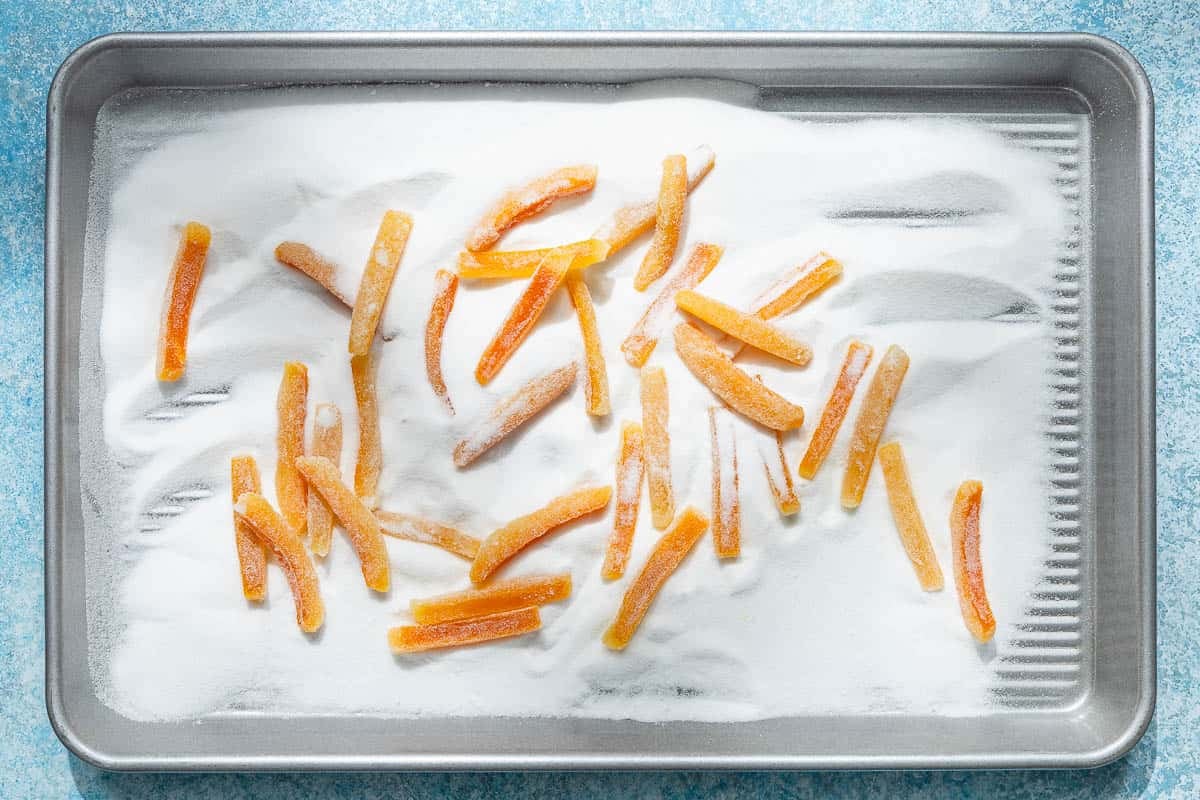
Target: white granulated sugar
821,612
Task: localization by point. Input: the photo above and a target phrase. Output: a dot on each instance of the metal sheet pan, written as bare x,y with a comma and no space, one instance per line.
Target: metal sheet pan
1099,591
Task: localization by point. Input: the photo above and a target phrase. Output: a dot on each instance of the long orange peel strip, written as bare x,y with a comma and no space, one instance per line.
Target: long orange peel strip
668,219
326,443
529,200
360,524
723,378
642,340
254,509
779,475
726,501
668,554
507,541
968,568
182,284
854,366
445,287
595,386
418,529
377,277
798,286
514,411
304,259
524,315
656,444
907,517
748,328
630,470
498,596
369,461
252,557
418,638
872,419
292,408
508,264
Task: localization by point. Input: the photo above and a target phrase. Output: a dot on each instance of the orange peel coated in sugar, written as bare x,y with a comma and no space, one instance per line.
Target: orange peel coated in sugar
668,218
252,557
630,470
445,286
524,315
529,200
289,550
514,411
723,378
369,462
668,554
775,465
506,542
907,516
872,419
304,259
656,444
642,340
182,285
498,596
377,277
360,524
748,328
854,366
508,264
292,408
595,386
968,567
795,288
726,502
418,529
418,638
327,443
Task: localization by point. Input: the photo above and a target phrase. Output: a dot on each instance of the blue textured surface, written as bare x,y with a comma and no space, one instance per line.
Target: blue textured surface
35,36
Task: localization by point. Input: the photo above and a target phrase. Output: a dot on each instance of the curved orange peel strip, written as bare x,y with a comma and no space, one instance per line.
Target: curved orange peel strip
513,411
498,596
417,638
631,221
327,443
668,218
907,516
595,386
506,264
506,542
726,502
377,277
748,328
630,469
656,444
723,378
182,284
369,462
523,315
666,557
254,509
360,524
642,340
872,419
529,200
304,259
854,366
968,568
418,529
445,287
795,288
252,557
292,407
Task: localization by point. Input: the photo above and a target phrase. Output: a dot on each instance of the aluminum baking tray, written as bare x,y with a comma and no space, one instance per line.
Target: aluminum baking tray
1082,695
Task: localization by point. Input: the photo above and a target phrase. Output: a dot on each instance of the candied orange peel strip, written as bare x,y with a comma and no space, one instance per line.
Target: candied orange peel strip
418,529
631,221
630,469
182,284
854,366
872,419
668,218
723,378
506,542
377,277
796,287
505,264
595,386
359,522
656,444
779,475
524,315
304,259
907,516
327,443
254,509
252,557
529,200
498,596
968,568
417,638
514,411
369,461
642,340
666,557
748,328
445,286
726,502
292,407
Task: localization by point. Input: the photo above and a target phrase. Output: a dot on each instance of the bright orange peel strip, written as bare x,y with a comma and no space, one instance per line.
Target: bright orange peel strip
327,443
369,462
182,284
872,419
359,522
529,200
304,259
656,444
750,329
854,366
498,596
642,340
907,517
968,568
418,529
668,218
418,638
252,557
800,284
377,277
630,469
254,509
292,407
726,500
506,264
631,221
514,411
445,286
595,386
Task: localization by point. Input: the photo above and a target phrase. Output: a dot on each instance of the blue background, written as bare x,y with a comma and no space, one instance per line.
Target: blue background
36,35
